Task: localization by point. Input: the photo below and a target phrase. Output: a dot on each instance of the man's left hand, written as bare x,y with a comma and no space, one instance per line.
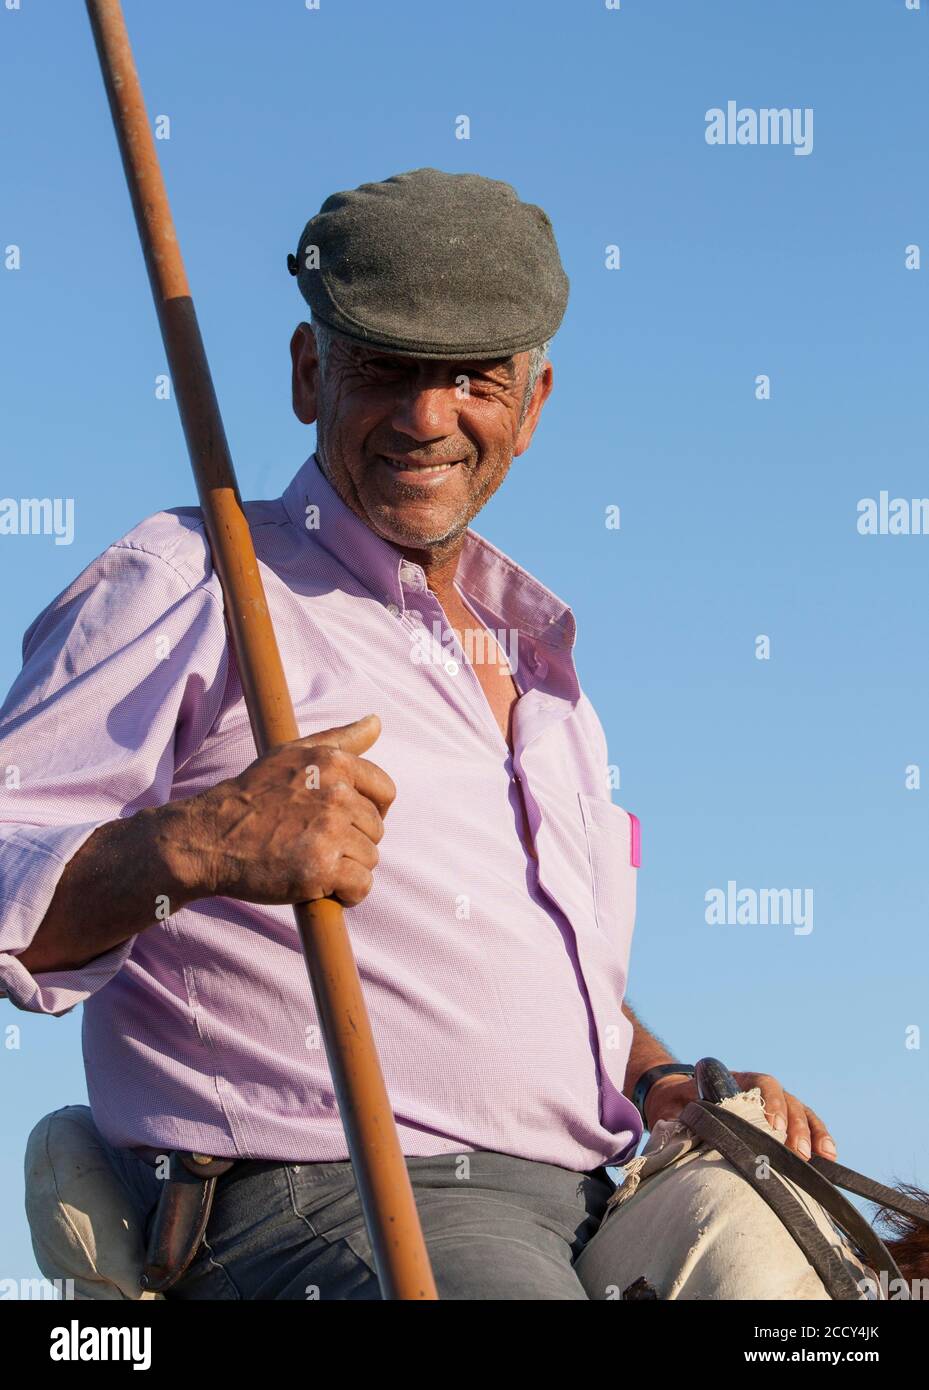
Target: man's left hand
805,1131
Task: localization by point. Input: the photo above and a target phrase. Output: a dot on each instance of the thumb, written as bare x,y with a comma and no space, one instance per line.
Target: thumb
351,738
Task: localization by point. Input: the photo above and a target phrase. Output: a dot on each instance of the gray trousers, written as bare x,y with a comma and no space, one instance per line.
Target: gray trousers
496,1227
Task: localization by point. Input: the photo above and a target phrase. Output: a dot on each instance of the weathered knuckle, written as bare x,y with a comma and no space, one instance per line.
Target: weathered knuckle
338,763
321,756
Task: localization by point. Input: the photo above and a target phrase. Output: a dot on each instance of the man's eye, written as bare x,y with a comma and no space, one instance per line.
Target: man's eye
383,366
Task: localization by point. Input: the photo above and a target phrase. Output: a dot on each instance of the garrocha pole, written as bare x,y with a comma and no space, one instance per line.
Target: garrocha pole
380,1170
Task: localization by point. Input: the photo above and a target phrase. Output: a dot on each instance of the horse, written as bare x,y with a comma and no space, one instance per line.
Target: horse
717,1207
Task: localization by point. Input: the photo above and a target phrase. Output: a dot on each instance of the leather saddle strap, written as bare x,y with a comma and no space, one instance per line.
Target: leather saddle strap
707,1122
871,1189
179,1220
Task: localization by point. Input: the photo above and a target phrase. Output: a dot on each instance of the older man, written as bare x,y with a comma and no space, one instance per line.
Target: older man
147,859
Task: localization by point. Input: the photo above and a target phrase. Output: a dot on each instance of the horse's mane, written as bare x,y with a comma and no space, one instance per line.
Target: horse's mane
906,1238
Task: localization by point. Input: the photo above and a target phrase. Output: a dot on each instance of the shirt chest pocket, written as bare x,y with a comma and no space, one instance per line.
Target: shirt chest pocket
613,847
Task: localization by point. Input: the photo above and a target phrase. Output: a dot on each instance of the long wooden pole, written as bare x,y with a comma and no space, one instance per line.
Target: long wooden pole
380,1170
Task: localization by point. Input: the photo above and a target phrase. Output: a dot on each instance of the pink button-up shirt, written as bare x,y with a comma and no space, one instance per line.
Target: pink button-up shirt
494,980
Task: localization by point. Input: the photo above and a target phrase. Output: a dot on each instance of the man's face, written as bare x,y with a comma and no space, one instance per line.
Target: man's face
414,447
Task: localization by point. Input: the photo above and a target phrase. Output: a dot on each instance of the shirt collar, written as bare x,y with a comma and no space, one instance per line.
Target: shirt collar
484,573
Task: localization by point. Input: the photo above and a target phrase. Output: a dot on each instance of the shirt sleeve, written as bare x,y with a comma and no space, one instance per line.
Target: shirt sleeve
123,675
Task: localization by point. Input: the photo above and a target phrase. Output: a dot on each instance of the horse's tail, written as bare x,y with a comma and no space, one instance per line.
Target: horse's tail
906,1238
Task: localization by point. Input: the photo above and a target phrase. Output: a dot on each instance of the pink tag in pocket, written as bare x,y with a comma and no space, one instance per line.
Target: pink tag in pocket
635,841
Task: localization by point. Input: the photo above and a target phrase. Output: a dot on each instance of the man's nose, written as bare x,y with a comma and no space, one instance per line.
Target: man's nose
428,411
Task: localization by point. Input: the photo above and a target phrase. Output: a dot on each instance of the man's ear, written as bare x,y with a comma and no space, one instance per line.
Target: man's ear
540,394
305,376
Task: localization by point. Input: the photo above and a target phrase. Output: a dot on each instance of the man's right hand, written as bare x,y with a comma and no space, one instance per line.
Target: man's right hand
302,822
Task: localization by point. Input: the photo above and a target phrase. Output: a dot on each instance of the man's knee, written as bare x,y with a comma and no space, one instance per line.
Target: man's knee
87,1229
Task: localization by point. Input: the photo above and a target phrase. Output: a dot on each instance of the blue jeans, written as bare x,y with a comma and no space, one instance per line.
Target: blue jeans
496,1227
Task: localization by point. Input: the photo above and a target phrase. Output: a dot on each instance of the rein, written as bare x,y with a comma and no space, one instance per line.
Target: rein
742,1143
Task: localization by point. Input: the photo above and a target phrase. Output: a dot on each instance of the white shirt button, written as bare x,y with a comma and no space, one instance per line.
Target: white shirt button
452,668
412,575
393,610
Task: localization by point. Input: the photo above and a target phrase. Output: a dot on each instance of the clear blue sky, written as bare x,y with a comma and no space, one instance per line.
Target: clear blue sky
738,515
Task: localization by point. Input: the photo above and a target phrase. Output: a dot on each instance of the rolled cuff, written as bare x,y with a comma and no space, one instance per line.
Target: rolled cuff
32,860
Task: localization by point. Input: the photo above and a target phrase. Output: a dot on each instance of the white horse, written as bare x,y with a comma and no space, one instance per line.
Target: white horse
691,1224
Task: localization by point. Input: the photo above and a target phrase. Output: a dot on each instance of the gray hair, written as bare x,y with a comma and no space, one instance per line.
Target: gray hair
323,335
537,358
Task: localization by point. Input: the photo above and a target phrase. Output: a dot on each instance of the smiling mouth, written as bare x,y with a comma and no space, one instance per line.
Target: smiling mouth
418,469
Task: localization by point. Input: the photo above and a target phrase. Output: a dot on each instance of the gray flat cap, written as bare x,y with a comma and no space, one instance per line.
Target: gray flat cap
429,264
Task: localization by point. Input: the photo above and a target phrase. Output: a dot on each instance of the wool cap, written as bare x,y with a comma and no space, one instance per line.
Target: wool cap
430,264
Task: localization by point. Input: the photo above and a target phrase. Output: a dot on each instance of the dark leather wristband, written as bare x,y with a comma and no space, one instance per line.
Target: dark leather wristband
648,1078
